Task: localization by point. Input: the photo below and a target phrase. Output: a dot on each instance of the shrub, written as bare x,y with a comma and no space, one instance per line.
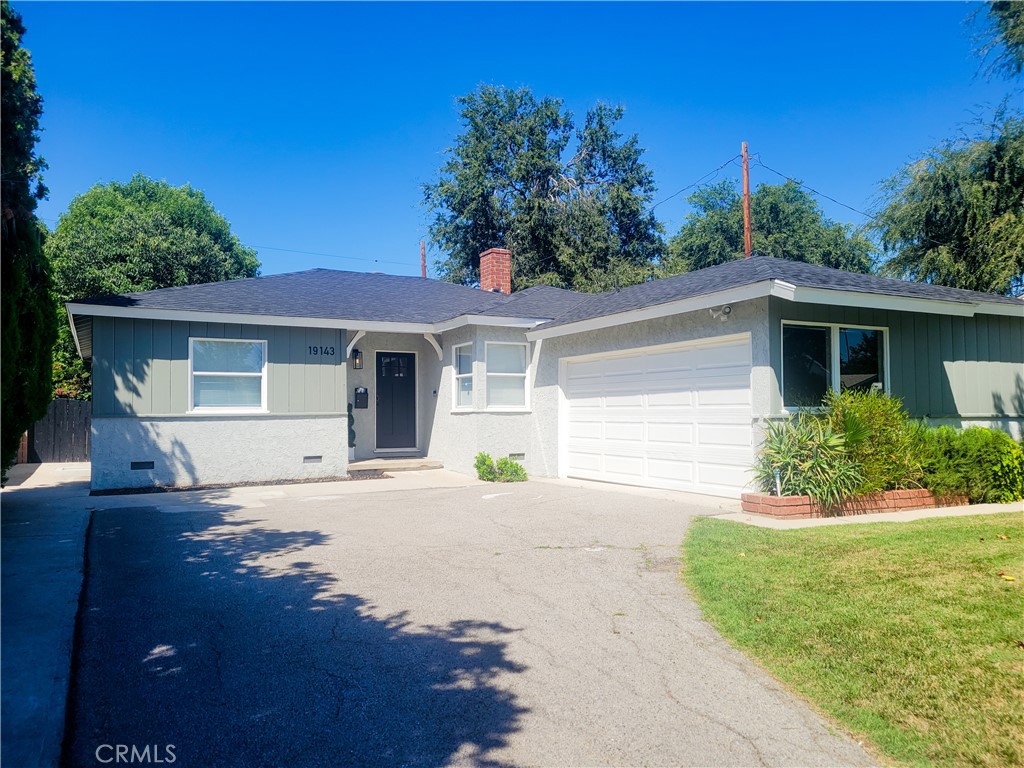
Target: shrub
506,470
510,471
985,465
485,469
811,460
880,438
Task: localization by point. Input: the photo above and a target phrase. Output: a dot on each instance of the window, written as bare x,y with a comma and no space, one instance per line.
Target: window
506,375
228,375
462,364
819,358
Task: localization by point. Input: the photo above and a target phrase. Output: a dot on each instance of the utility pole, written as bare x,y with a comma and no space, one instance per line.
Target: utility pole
747,244
423,260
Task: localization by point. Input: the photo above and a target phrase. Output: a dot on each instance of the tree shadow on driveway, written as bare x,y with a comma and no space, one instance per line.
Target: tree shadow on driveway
226,639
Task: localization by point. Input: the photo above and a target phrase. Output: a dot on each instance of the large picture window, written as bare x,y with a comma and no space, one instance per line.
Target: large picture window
819,358
228,374
462,364
506,375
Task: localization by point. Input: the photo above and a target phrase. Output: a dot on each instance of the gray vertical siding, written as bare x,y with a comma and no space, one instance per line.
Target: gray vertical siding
940,366
140,367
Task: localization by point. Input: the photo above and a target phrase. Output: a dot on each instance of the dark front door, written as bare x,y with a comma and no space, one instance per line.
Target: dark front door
396,400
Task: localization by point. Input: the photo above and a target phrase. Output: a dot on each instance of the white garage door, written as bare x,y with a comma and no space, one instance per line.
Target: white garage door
675,417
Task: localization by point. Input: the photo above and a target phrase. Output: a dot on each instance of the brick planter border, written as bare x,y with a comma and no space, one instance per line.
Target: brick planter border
798,507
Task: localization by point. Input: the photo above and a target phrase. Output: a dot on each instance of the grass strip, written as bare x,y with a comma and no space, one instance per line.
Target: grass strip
909,634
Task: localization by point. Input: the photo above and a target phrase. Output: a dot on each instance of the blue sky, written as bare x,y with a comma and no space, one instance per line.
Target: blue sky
312,127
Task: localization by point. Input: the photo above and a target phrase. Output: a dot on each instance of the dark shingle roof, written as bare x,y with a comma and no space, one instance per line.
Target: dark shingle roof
375,297
329,294
538,301
735,274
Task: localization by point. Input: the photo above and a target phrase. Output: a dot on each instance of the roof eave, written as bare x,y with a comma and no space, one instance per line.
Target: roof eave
863,299
679,306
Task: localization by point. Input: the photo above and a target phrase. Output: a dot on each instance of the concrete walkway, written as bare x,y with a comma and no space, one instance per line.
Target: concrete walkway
904,516
43,519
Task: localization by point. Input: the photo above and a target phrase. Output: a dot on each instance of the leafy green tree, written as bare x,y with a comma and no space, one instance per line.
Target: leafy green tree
956,216
570,203
27,326
138,236
786,222
1005,37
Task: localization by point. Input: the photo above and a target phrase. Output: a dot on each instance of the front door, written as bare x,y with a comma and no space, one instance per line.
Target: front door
396,400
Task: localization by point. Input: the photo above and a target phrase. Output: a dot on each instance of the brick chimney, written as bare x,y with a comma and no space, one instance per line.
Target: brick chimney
496,270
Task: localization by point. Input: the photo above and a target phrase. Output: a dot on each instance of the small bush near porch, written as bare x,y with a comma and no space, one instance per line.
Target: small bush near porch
910,635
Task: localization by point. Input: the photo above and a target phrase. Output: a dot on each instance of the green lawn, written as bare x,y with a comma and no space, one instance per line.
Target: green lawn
905,633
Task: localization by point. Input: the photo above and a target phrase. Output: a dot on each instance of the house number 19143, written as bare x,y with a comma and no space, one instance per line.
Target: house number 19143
321,351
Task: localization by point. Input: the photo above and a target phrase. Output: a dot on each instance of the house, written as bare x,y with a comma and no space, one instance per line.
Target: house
662,384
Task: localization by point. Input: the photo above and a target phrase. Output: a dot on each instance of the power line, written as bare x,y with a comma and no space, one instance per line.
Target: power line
757,159
702,179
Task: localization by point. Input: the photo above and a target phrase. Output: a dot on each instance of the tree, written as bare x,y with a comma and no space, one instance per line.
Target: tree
786,222
1005,38
138,236
956,216
27,325
569,203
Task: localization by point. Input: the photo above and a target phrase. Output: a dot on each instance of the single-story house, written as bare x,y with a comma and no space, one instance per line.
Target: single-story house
662,384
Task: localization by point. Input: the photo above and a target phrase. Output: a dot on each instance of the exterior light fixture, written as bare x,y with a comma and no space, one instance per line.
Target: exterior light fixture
357,359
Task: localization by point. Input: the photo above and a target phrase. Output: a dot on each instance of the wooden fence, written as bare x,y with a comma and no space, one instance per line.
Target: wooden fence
61,435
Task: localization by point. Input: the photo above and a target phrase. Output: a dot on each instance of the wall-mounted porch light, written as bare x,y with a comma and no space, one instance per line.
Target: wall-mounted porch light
357,359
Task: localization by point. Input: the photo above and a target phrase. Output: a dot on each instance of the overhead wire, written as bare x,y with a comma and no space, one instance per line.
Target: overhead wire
706,177
757,159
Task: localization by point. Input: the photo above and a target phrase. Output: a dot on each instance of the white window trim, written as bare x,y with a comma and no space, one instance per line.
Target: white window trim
525,376
193,408
456,376
834,362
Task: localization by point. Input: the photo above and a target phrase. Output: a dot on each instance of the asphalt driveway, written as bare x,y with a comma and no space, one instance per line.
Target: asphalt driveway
531,624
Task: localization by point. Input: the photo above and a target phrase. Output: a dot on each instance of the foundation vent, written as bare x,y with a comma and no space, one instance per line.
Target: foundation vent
312,459
142,465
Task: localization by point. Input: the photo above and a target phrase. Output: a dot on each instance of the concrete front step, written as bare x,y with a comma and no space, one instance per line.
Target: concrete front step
397,464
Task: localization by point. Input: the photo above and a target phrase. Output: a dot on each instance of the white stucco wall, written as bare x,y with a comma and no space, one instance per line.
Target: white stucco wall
458,435
188,451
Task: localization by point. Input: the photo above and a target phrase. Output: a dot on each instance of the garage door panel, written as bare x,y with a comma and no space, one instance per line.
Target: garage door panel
678,361
670,399
583,430
624,431
678,418
667,433
722,475
581,461
670,470
736,435
623,468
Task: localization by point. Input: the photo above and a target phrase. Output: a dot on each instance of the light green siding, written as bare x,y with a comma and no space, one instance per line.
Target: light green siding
140,367
940,366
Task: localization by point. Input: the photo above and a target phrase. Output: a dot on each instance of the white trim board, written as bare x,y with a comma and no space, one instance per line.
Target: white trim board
788,292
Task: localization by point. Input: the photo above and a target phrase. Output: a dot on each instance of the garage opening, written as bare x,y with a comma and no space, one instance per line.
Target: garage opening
677,417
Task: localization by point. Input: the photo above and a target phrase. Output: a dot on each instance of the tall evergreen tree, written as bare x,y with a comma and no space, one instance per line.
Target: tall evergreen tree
27,326
570,203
